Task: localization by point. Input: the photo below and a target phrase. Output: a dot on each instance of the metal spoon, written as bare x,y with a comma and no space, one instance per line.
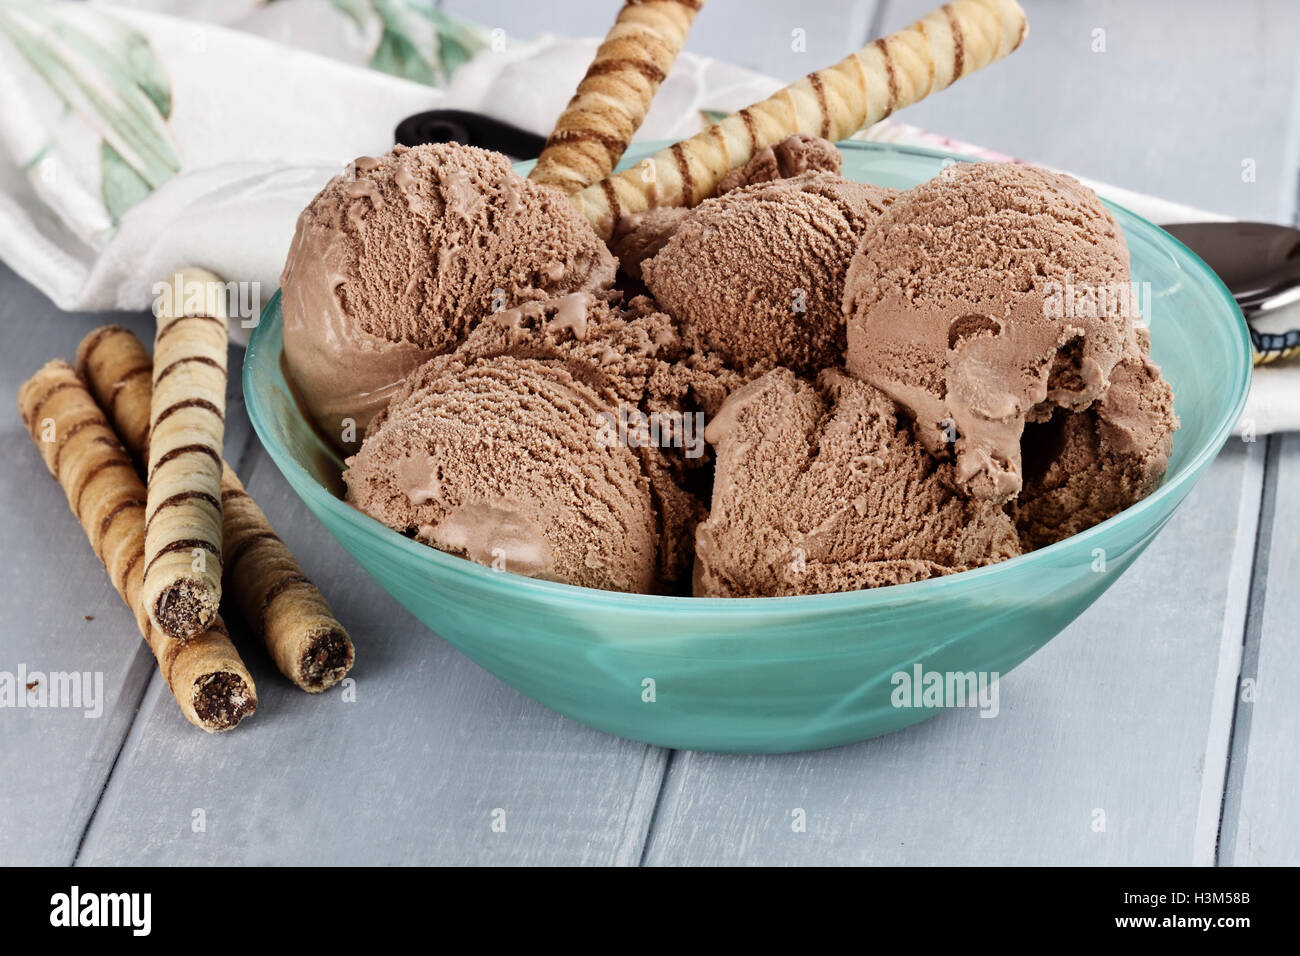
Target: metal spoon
1260,264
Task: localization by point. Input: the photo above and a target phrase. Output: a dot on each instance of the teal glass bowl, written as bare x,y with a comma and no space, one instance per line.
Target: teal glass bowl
768,675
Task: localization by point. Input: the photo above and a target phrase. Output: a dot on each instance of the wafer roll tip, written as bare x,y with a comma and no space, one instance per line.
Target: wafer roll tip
325,660
221,700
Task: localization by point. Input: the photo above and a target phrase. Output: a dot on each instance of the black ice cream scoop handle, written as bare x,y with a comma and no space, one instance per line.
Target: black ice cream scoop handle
469,129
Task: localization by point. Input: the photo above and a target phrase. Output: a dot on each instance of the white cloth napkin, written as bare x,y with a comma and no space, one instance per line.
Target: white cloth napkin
134,142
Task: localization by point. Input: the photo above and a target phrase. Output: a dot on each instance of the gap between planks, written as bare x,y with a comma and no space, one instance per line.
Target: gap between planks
1219,734
1235,772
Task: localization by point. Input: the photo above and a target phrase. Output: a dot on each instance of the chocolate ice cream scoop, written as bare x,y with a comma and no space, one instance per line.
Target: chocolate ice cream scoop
657,388
1084,467
497,461
545,398
640,235
398,258
758,273
986,298
793,156
822,488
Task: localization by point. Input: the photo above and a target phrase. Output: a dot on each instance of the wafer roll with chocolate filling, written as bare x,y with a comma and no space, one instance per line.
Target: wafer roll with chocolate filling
119,372
863,88
277,600
307,643
82,452
182,572
598,124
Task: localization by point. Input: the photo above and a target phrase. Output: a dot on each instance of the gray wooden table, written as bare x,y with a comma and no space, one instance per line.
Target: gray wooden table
1167,711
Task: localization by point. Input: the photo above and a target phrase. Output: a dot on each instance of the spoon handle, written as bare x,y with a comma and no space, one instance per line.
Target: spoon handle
469,129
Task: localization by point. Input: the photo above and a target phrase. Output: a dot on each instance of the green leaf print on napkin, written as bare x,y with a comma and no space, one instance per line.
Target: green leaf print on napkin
140,64
399,56
112,82
416,40
123,186
457,41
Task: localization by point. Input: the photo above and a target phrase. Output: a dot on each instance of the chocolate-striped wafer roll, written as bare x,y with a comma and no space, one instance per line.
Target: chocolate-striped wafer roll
614,95
182,572
81,450
277,600
119,373
863,88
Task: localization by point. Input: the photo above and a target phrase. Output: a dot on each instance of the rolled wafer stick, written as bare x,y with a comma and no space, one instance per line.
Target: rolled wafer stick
182,571
614,95
863,88
119,373
308,644
81,450
277,600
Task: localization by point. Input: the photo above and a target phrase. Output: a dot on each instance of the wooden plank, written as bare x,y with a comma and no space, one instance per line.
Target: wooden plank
411,772
1181,97
1112,717
758,34
60,611
1263,800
